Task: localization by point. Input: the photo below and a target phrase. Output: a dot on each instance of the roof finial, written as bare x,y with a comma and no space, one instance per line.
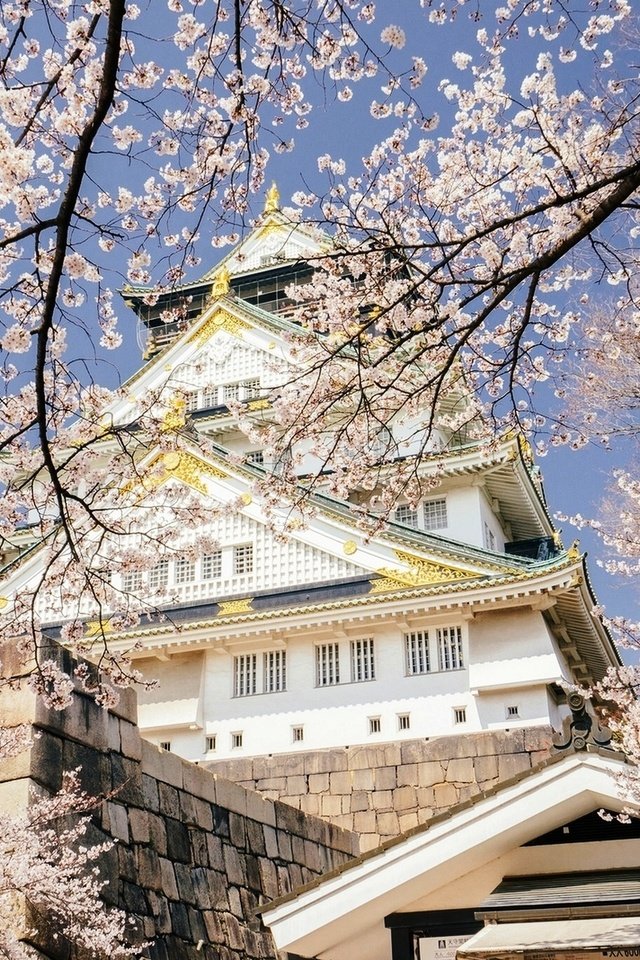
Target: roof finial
221,283
272,199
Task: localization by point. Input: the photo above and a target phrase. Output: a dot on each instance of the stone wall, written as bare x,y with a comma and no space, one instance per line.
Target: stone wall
381,790
196,853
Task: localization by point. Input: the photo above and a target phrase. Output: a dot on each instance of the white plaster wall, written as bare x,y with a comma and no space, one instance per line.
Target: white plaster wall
338,715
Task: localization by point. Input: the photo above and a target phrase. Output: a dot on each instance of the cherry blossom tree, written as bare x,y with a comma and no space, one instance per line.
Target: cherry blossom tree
49,876
465,247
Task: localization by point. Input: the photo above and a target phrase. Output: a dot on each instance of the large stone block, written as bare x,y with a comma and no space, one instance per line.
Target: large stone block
162,765
460,771
340,782
485,768
513,764
430,772
404,798
385,778
230,796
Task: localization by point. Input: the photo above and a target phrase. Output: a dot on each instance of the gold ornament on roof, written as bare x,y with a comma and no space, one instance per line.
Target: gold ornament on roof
221,283
175,417
227,607
272,199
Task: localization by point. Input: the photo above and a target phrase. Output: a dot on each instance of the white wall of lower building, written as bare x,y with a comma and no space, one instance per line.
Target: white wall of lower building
511,652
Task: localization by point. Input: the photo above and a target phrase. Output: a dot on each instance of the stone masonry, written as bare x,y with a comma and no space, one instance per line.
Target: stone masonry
381,790
196,853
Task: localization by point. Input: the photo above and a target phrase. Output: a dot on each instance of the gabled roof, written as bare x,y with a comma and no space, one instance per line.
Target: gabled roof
341,915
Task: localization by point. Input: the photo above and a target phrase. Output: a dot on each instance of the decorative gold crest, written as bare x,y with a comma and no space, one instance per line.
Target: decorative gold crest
421,573
235,606
349,547
219,320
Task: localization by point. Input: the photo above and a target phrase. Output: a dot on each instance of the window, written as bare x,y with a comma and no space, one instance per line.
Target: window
297,734
435,514
362,663
210,743
132,581
159,574
212,566
236,739
488,536
449,648
245,668
165,745
275,671
210,397
184,571
512,711
459,714
416,646
375,725
407,515
404,721
192,400
327,665
256,456
250,389
231,391
243,558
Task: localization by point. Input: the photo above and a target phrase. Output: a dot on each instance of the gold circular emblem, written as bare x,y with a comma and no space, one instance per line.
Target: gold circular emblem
3,602
246,499
171,460
350,546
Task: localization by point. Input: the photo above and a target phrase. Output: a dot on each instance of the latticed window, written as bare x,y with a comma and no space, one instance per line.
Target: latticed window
192,400
449,648
362,662
459,714
212,566
132,581
404,721
245,674
327,665
275,671
243,558
210,397
184,571
435,514
416,649
250,389
407,515
159,574
256,456
231,391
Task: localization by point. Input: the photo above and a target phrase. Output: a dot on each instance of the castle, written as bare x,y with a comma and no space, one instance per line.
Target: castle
401,685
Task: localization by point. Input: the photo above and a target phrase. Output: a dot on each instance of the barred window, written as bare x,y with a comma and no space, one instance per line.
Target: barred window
297,734
243,558
245,672
132,581
184,571
256,456
449,648
275,671
236,739
231,391
210,743
459,714
159,574
416,648
404,721
210,397
212,566
250,389
327,665
435,514
362,662
407,515
375,725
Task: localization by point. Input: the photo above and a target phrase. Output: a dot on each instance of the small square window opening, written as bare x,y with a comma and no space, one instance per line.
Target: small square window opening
210,743
236,740
513,710
165,745
375,725
404,721
297,734
459,714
